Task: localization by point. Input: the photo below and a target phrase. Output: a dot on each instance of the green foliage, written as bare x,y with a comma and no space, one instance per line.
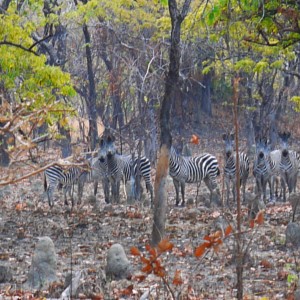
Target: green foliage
23,72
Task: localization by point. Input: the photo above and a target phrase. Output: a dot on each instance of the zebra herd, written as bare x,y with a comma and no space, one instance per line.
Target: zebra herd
278,169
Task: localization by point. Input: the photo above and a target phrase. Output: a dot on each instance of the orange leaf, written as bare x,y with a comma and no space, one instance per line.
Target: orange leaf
200,250
152,251
177,280
147,269
260,218
266,264
160,272
207,238
145,260
195,139
20,206
139,278
165,245
228,230
127,291
135,251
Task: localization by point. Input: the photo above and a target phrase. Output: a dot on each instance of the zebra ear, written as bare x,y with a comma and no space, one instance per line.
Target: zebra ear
224,136
288,135
232,136
110,138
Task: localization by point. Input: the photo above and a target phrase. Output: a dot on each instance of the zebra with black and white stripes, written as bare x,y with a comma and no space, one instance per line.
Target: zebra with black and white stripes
123,167
263,167
96,171
188,169
289,164
230,167
55,176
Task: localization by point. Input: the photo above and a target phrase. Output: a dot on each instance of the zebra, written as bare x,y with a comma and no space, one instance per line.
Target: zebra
262,168
230,167
56,176
96,172
123,167
276,180
289,164
188,169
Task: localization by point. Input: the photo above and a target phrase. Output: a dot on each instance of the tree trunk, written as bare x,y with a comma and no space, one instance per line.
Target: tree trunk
91,100
206,95
4,157
171,88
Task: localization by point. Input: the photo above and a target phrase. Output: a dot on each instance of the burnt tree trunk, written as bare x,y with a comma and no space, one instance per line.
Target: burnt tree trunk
171,88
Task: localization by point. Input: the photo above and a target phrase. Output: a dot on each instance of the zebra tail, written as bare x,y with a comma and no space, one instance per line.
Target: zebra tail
218,172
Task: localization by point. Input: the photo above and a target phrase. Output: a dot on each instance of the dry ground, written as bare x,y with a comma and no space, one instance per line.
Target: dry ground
83,237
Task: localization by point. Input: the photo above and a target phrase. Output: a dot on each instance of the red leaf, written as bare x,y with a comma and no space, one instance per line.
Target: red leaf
147,269
139,278
228,230
259,218
200,250
251,223
135,251
165,245
152,251
127,291
177,280
195,139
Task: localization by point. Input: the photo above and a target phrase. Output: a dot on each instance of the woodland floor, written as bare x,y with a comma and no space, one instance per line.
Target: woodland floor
86,234
83,237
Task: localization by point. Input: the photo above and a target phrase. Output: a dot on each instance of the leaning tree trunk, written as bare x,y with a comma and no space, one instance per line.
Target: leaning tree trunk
171,88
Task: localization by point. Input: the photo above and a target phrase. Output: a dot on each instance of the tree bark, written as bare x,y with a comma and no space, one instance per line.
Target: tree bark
171,88
206,95
91,100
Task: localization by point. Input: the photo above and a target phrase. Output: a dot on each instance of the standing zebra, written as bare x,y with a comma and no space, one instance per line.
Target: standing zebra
97,172
187,169
123,167
55,176
289,164
262,168
230,167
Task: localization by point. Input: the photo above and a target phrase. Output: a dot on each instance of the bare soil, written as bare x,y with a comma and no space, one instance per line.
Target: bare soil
83,236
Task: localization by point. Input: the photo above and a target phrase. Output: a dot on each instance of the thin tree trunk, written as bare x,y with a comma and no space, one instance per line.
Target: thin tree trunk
91,100
171,88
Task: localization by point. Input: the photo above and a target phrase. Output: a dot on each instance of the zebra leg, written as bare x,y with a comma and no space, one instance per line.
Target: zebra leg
80,190
65,190
283,189
227,182
118,191
105,184
264,188
149,188
234,190
243,184
95,187
271,187
50,191
182,193
176,185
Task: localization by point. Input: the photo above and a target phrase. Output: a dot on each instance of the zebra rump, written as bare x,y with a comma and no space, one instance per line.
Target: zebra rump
55,176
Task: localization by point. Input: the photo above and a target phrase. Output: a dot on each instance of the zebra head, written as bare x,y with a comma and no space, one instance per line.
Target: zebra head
229,141
284,137
262,149
102,150
107,148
